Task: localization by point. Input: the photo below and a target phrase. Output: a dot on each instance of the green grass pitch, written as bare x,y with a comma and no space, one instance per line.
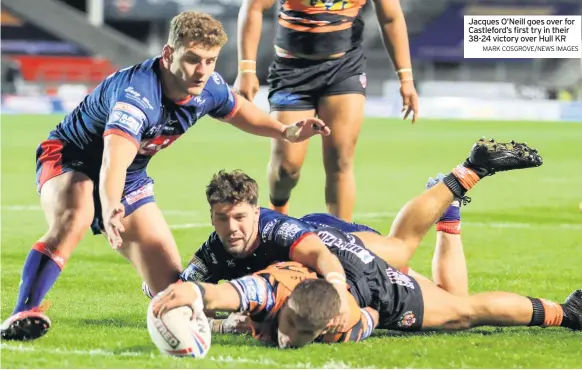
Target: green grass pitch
522,233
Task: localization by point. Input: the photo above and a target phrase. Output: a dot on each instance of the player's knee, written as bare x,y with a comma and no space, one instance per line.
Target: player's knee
286,171
464,315
70,222
339,160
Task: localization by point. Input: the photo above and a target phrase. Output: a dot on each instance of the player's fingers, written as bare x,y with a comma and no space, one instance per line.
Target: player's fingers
114,238
118,226
319,126
301,123
414,107
408,111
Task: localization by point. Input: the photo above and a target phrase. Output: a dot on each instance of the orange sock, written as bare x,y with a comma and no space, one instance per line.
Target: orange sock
467,177
546,313
554,313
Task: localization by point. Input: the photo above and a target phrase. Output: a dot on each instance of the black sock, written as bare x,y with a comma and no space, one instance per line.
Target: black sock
278,202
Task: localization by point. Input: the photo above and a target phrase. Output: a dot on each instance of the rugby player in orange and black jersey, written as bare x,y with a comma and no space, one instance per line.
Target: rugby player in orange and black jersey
264,297
371,281
319,69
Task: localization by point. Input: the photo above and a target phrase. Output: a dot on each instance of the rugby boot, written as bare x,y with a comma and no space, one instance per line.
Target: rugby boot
573,310
26,325
489,156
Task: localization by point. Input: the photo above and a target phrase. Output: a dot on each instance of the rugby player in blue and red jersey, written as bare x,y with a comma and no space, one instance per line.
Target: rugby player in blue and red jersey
91,170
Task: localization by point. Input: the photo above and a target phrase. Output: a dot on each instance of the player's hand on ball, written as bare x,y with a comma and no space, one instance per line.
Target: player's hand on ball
114,226
176,295
247,85
305,129
409,99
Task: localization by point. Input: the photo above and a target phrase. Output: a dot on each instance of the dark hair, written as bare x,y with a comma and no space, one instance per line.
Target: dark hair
315,302
232,187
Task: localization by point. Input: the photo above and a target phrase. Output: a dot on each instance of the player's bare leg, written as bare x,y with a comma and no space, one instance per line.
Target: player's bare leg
410,226
286,160
149,245
485,159
449,266
67,202
417,217
445,311
344,115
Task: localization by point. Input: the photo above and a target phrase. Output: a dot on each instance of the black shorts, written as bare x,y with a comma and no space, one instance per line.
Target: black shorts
374,283
297,84
401,306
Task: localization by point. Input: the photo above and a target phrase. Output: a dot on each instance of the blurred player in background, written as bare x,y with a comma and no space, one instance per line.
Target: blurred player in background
289,308
91,172
320,69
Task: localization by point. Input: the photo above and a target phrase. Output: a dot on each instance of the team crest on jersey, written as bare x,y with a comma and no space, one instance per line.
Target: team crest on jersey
407,320
363,80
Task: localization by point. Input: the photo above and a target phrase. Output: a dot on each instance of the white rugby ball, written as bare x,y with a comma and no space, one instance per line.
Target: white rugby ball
176,333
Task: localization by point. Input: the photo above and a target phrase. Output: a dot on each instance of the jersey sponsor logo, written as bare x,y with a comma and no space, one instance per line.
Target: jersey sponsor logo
195,271
331,240
199,100
152,146
128,117
126,121
139,194
217,78
265,235
288,230
398,278
132,94
333,4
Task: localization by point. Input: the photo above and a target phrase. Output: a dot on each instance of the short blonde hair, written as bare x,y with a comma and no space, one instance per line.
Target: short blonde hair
200,28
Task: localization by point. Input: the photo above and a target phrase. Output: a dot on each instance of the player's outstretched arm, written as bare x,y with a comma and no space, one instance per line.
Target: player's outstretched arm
395,35
118,153
249,118
215,297
250,23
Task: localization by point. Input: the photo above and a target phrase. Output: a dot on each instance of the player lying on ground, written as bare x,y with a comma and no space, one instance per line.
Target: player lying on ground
320,69
248,238
449,268
91,172
293,313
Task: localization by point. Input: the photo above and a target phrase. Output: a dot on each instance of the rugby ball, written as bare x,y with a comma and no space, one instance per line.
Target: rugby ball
178,333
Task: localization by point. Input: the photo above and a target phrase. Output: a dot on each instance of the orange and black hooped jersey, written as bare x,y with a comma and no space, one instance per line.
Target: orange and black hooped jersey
320,27
264,293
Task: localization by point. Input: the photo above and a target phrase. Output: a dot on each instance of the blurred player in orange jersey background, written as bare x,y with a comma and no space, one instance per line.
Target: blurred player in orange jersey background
320,69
